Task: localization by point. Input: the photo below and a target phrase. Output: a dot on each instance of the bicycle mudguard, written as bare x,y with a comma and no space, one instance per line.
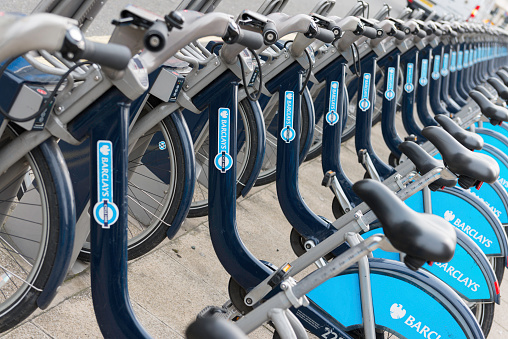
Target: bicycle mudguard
67,212
260,151
398,295
470,215
190,173
494,138
469,272
494,195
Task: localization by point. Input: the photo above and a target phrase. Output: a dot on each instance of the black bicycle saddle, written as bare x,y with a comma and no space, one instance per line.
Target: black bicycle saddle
471,168
503,75
500,87
423,237
485,92
425,163
495,113
470,140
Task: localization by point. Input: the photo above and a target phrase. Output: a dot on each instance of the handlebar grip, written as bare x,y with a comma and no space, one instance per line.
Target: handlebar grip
427,29
325,35
155,38
369,32
250,39
270,35
399,35
109,55
421,34
438,32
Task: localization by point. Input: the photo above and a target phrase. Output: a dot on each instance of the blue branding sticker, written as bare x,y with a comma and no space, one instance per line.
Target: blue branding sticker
459,60
332,117
364,103
466,58
397,305
288,133
435,72
223,160
408,87
390,93
472,57
105,211
453,62
444,69
425,71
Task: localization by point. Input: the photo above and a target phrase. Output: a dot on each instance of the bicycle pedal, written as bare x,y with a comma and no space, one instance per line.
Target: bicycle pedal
212,312
328,178
232,312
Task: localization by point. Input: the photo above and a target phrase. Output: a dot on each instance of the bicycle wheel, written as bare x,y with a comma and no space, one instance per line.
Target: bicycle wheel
246,158
268,169
155,187
29,235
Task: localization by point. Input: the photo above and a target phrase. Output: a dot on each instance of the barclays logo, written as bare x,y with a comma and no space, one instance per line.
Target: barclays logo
398,312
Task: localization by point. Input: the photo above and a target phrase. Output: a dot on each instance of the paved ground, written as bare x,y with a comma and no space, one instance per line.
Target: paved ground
175,281
169,286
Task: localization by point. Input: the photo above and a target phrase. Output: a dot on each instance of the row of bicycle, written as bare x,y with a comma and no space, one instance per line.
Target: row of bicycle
337,71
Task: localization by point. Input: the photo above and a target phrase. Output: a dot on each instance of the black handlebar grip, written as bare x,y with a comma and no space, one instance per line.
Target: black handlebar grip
369,32
427,29
270,35
109,55
155,37
325,35
250,39
421,34
399,35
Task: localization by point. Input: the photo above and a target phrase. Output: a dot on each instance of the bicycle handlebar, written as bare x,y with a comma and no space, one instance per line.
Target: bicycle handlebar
369,32
54,33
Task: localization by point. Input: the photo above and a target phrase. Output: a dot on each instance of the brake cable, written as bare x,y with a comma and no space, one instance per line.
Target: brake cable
307,77
244,80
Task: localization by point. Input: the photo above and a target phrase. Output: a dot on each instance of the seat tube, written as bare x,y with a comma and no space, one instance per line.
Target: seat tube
108,225
409,63
390,98
423,88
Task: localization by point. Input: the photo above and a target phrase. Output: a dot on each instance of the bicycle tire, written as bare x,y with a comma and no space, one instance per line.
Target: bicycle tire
155,187
246,160
268,172
18,305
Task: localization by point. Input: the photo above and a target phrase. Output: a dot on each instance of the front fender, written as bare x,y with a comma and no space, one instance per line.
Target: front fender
67,212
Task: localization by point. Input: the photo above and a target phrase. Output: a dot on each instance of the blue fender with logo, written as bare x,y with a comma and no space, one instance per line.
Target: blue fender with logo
469,272
494,195
468,214
398,295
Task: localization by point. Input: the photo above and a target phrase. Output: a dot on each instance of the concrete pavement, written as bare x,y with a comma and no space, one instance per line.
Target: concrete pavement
170,285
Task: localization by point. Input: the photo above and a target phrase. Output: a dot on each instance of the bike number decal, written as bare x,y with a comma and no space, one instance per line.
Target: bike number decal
425,69
332,116
459,60
408,87
453,62
288,133
435,72
223,160
364,103
105,211
390,93
444,69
